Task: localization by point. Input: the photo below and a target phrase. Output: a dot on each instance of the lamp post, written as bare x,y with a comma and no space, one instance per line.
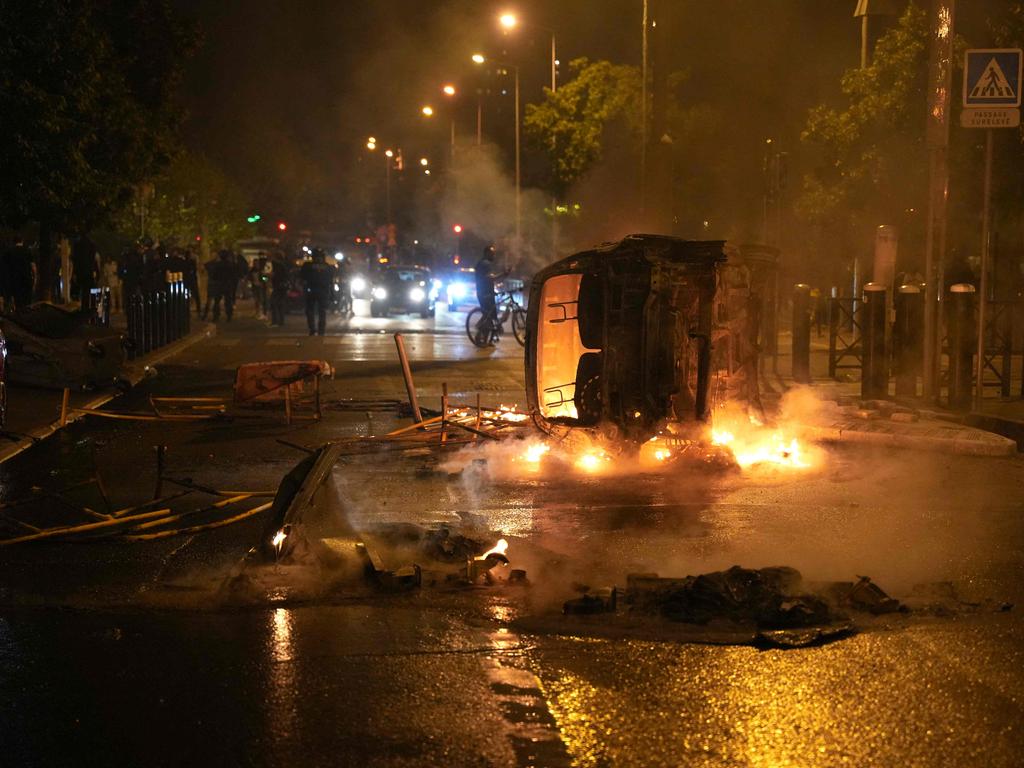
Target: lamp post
480,59
510,21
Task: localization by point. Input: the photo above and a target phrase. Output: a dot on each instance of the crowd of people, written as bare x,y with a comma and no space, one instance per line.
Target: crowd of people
269,278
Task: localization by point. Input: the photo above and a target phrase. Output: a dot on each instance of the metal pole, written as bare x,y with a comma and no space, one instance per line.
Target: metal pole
643,115
554,82
387,186
519,207
407,375
979,365
479,118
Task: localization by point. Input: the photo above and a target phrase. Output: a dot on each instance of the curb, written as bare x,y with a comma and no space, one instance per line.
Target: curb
135,372
969,442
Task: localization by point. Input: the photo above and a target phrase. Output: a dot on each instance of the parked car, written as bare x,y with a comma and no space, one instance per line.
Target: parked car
56,348
403,289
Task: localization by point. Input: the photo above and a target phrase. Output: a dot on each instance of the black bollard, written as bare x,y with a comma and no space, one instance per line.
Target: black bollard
801,346
146,311
961,345
907,338
874,370
133,325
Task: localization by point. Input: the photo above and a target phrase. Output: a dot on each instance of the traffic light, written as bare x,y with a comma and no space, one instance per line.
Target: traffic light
282,226
254,218
457,229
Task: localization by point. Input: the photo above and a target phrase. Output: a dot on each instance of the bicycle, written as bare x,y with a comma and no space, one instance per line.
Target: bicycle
485,331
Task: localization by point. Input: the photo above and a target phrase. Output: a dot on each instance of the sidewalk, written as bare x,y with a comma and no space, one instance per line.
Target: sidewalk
997,430
33,414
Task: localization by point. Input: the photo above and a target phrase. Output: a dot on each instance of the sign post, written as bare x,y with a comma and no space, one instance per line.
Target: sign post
992,86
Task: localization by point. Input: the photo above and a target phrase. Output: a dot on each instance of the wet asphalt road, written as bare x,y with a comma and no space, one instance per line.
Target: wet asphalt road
116,654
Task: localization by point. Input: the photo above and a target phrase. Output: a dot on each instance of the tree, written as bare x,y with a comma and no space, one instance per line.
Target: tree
86,109
873,158
190,198
569,126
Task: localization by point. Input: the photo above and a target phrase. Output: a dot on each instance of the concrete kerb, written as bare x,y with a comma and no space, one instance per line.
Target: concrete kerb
135,372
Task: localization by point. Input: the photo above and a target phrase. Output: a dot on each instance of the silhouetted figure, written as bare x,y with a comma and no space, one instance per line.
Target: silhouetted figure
279,273
318,278
17,276
223,274
85,266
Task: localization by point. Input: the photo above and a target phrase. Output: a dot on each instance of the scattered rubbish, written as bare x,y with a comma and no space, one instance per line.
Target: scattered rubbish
281,381
604,600
768,597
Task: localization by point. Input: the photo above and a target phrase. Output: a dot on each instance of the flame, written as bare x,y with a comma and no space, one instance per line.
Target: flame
534,453
509,413
592,461
278,539
761,446
498,549
662,453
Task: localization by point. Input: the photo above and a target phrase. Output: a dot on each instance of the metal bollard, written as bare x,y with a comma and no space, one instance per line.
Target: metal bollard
907,336
133,326
146,312
874,370
961,345
801,346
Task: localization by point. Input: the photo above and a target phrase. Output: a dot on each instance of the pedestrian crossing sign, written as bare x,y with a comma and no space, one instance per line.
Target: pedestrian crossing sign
992,77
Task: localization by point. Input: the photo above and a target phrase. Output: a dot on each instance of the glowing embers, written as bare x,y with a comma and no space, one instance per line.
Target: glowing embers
592,461
507,413
752,444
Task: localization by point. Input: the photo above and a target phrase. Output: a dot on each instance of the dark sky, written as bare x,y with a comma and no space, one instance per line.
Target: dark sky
283,95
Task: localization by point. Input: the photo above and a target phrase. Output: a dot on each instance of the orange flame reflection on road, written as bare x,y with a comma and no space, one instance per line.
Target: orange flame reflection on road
757,445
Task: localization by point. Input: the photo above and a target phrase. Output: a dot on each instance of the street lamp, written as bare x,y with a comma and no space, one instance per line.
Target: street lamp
478,58
428,111
449,90
424,162
510,21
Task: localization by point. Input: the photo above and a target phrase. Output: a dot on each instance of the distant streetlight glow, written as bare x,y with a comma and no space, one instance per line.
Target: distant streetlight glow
372,140
508,20
478,58
371,146
449,90
428,111
426,171
389,153
424,162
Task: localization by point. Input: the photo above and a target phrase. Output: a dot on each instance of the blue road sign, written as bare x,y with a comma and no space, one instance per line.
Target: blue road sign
992,77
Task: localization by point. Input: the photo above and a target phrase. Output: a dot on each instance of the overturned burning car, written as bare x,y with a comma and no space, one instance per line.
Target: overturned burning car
632,335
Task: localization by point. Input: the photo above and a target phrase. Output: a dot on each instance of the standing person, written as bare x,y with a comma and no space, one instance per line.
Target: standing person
258,278
130,271
318,278
192,277
110,280
18,279
279,274
85,267
223,273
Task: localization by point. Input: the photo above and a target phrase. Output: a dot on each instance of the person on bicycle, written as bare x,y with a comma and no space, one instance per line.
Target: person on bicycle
485,277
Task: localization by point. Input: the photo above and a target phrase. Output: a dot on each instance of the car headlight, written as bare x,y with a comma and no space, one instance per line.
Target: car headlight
417,295
457,290
437,284
379,293
358,284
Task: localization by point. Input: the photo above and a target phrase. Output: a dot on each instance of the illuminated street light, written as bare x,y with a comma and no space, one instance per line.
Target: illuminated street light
371,146
449,90
428,111
371,140
508,20
424,162
426,171
478,58
389,153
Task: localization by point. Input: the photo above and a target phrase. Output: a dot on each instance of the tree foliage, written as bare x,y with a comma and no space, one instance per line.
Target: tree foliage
873,157
191,197
569,127
86,107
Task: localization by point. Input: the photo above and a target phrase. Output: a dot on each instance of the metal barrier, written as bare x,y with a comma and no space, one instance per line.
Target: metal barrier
157,318
844,334
999,327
